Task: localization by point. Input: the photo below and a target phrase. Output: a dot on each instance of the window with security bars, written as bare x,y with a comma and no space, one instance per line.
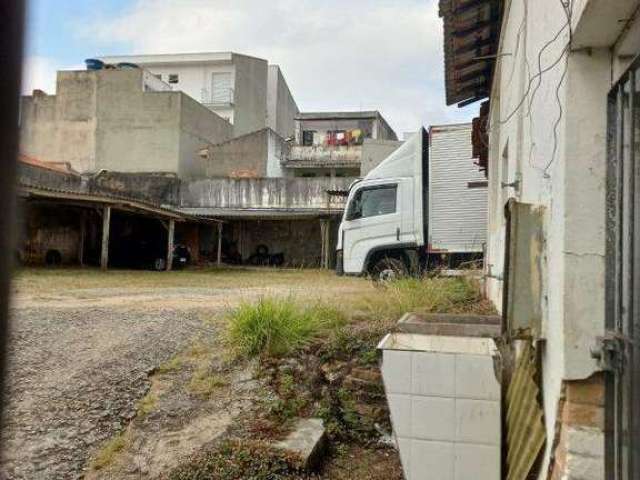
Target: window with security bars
221,88
619,355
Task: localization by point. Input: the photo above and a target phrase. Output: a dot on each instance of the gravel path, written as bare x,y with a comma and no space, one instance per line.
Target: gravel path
75,377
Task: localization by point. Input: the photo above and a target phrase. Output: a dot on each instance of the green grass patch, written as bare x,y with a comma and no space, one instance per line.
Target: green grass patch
108,452
424,295
276,327
170,366
147,404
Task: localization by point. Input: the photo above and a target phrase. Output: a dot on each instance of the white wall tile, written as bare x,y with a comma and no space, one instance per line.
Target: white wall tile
396,370
477,462
434,374
475,378
404,445
433,418
431,461
478,421
400,409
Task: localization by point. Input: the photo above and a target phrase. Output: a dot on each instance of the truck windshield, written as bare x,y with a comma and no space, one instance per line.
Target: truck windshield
373,201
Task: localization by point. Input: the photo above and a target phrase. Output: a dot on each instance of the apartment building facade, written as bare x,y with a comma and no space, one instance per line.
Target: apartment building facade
336,144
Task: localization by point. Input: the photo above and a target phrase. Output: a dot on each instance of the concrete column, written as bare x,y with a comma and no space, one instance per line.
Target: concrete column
106,225
83,234
170,234
325,235
219,257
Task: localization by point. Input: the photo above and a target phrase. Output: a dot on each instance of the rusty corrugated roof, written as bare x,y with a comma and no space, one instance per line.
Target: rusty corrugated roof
526,434
471,37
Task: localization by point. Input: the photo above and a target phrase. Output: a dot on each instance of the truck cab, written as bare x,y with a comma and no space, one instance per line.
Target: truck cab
382,230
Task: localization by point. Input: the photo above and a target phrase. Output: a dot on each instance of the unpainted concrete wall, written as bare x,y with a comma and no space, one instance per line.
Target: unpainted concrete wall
62,127
298,193
104,120
299,241
281,106
244,156
374,152
250,94
199,128
136,131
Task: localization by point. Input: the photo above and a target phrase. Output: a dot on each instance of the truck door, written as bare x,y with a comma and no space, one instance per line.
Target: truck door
373,219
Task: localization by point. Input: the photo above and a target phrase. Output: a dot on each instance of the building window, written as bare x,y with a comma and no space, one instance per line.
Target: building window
221,88
174,78
307,138
373,201
158,76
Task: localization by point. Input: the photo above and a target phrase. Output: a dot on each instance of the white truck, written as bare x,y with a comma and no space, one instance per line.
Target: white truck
424,205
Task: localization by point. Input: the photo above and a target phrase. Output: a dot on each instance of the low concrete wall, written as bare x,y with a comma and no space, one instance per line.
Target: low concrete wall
33,176
289,193
158,188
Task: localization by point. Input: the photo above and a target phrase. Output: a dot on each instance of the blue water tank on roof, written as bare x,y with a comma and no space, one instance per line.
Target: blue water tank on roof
94,64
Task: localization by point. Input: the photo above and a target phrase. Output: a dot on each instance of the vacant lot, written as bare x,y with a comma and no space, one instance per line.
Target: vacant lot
84,343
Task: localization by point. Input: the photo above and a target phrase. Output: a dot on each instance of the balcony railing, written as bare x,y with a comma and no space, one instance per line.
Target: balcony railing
322,155
219,97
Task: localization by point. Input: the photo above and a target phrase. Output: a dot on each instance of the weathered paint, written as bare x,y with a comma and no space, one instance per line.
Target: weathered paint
524,310
289,193
548,148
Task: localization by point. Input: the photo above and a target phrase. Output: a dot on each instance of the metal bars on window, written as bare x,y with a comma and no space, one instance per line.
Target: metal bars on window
623,277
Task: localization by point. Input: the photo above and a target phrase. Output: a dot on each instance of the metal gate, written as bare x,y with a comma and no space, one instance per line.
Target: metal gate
618,350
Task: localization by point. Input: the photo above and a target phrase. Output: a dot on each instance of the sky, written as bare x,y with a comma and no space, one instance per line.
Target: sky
381,55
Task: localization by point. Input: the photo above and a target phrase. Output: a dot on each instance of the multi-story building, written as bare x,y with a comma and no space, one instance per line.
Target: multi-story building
337,144
246,91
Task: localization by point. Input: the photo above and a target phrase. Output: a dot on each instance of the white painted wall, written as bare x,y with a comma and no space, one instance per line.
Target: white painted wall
549,133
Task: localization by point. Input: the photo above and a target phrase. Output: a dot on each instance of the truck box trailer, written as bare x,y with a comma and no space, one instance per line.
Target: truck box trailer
424,204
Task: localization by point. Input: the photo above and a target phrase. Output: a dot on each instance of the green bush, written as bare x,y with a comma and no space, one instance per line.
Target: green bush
275,327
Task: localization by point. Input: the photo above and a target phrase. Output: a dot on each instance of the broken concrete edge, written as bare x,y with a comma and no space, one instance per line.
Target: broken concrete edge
307,441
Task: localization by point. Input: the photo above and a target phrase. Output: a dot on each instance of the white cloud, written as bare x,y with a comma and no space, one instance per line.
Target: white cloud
361,54
39,73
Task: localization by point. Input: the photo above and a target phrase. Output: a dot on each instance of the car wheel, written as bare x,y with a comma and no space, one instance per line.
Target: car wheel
388,269
159,264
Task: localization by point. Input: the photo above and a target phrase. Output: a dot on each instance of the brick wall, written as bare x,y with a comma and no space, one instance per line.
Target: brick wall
579,451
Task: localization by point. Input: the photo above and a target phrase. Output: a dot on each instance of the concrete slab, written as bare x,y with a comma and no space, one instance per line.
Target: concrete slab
487,326
307,440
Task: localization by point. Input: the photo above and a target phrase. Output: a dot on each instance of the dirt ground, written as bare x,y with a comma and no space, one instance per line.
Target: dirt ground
84,344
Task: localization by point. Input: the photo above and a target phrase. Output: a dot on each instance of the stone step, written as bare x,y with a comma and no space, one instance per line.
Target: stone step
308,441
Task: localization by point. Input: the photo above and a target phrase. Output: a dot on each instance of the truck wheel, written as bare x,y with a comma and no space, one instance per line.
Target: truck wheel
387,269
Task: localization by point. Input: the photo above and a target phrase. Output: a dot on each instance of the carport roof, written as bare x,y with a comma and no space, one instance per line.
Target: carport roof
261,213
119,202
